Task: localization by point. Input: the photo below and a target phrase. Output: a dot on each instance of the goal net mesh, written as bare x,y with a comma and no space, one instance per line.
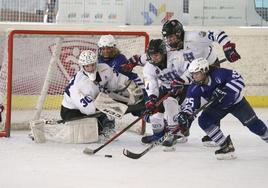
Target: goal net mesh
37,66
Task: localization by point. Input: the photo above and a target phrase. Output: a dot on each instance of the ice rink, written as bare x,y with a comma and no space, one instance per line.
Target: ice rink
25,164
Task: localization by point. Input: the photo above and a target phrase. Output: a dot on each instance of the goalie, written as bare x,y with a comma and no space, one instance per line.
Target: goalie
79,101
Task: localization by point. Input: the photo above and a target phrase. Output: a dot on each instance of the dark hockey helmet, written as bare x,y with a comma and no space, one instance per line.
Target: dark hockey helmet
156,46
173,27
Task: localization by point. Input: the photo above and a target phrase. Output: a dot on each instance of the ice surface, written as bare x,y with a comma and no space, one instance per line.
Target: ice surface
24,164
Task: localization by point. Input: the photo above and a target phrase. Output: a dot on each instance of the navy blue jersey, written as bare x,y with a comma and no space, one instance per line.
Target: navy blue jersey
116,64
218,78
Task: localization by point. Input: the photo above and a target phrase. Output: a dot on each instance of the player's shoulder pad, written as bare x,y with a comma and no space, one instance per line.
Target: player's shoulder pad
175,55
194,36
149,69
103,67
120,57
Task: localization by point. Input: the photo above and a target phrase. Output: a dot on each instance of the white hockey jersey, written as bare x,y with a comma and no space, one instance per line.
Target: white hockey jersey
200,44
81,92
154,77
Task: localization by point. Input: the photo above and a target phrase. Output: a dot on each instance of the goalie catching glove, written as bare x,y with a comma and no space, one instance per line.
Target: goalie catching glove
129,94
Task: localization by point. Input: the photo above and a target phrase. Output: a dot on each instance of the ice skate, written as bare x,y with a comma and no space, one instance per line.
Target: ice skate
169,142
152,138
226,152
206,140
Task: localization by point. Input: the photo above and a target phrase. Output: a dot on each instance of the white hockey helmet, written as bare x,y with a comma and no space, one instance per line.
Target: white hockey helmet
88,57
107,41
199,64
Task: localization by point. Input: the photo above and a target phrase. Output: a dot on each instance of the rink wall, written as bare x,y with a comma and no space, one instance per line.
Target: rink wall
251,44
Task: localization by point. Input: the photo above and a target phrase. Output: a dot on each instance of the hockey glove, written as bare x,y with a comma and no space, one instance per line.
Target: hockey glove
150,105
184,120
230,52
132,62
176,87
1,110
218,95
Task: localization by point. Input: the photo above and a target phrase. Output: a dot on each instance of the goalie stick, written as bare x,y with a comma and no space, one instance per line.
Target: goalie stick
89,151
95,115
132,155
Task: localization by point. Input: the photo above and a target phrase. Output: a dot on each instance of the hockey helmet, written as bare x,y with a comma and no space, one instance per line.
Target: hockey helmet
107,41
88,57
173,27
199,64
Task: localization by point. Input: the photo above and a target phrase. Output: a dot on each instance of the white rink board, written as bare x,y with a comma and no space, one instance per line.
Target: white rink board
250,41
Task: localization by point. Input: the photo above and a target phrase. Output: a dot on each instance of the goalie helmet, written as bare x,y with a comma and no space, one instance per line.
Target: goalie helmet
88,57
173,27
199,65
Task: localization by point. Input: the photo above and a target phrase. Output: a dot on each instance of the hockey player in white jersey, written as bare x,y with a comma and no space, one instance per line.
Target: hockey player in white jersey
161,71
82,90
196,44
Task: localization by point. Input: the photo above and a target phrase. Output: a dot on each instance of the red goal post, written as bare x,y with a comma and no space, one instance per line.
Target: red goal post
38,64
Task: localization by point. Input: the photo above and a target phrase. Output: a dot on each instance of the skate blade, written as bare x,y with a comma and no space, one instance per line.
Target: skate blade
227,156
169,149
182,140
210,144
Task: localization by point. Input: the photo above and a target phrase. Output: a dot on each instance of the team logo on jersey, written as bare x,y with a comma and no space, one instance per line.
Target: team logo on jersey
157,71
218,80
202,34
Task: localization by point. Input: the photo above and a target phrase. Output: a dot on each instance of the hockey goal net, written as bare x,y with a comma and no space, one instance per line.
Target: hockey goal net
37,66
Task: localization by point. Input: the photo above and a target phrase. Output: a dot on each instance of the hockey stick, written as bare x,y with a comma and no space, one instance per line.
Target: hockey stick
95,115
222,60
132,155
89,151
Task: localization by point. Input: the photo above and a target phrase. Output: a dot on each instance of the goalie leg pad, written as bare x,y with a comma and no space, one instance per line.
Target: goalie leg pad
37,130
73,132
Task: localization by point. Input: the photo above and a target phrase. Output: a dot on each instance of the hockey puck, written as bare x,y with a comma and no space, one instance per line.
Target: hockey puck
109,156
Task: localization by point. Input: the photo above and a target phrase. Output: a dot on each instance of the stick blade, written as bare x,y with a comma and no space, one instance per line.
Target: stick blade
88,151
131,155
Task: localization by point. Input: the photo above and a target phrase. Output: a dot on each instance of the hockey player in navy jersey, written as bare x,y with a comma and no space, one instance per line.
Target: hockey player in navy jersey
111,55
225,88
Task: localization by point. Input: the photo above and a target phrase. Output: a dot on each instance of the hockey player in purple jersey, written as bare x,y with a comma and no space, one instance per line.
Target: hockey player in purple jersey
111,55
225,88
